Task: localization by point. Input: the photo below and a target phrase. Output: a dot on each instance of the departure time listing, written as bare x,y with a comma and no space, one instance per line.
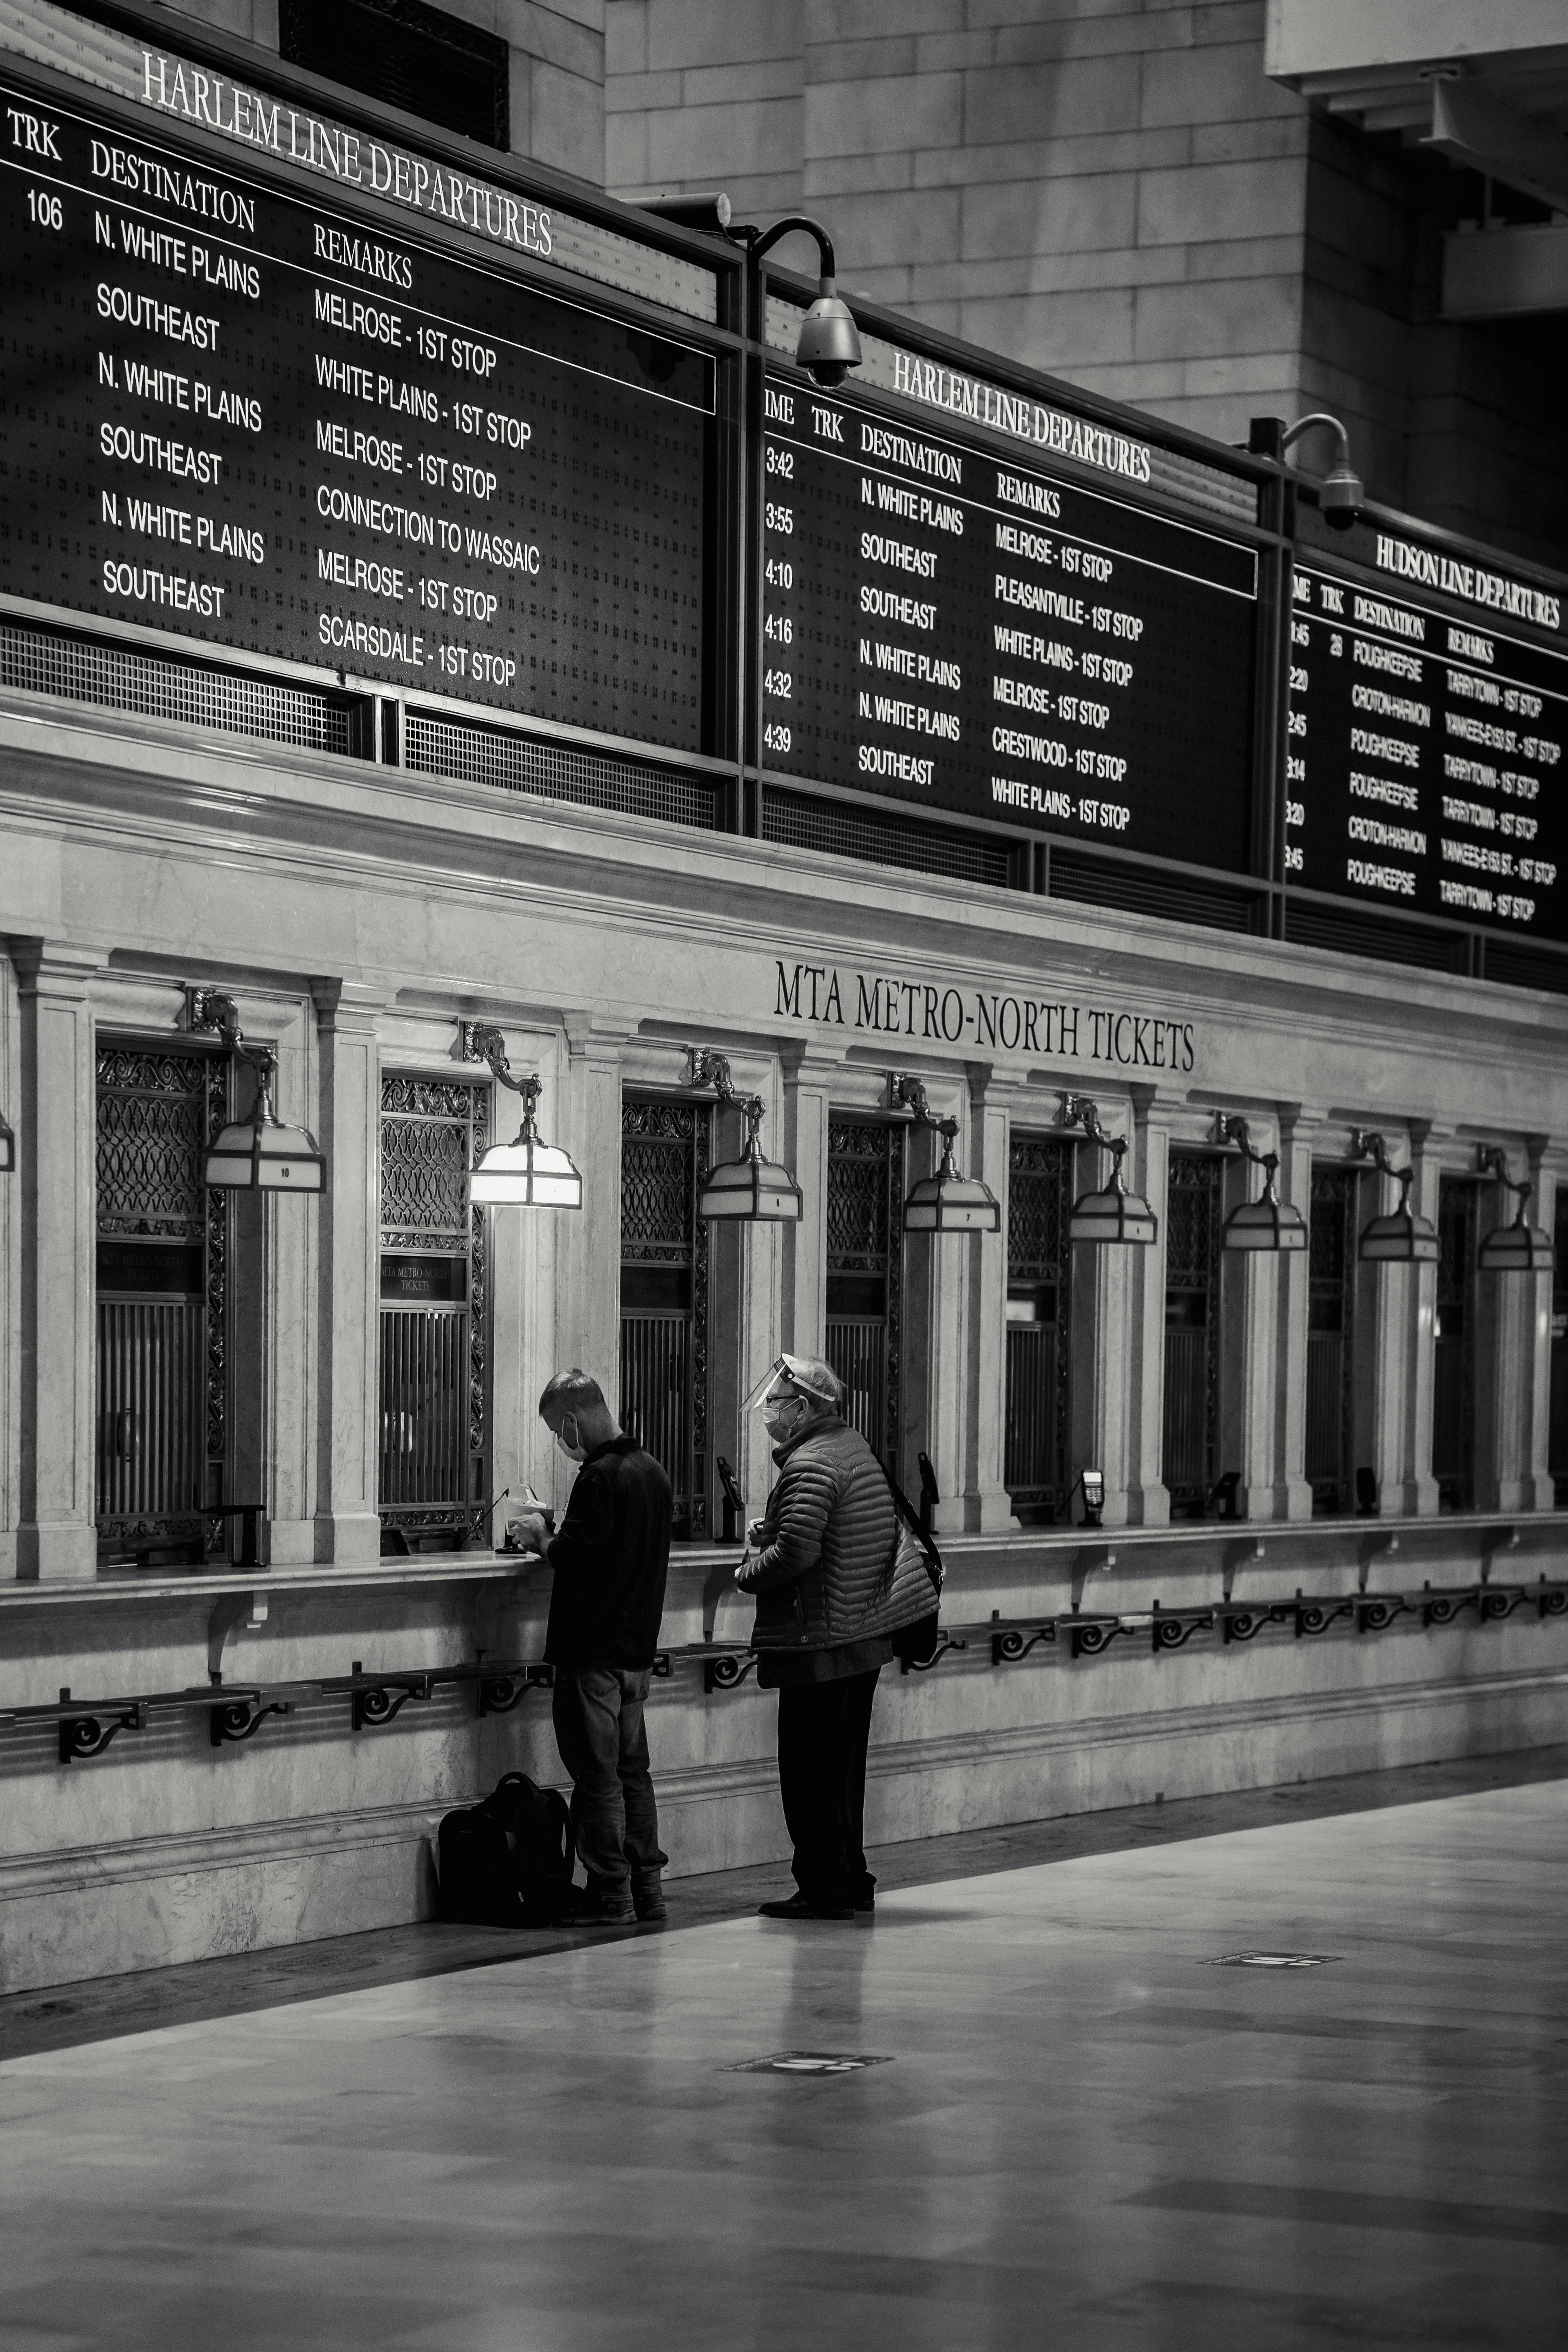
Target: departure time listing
949,628
1425,758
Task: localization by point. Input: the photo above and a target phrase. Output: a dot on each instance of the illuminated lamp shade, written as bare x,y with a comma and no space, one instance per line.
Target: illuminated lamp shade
7,1150
1114,1214
1516,1248
259,1154
1266,1223
948,1202
1399,1237
526,1173
758,1190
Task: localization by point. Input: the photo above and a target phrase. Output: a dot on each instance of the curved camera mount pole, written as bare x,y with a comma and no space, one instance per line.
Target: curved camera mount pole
758,241
1079,1110
1330,424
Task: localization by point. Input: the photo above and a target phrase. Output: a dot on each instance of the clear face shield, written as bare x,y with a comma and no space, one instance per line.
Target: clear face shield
791,1379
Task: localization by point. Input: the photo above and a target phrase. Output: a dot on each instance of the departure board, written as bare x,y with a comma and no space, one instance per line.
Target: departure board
1425,758
249,417
962,631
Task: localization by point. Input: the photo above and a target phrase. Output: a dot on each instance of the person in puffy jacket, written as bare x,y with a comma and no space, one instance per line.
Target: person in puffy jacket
823,1573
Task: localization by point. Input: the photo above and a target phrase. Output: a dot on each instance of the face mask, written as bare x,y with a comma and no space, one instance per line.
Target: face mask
571,1447
780,1419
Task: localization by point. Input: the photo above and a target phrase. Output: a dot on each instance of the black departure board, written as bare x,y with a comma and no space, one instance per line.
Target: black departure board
962,632
278,424
1425,758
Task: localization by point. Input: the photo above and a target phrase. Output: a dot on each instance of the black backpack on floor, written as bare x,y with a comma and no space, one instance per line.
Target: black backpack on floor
508,1861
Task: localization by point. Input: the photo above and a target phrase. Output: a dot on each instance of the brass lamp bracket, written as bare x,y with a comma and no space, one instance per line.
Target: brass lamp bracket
707,1071
214,1011
1079,1110
1491,1160
1366,1143
907,1093
1231,1128
482,1041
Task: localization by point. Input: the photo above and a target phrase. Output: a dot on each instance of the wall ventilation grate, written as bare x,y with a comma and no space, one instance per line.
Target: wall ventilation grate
1515,966
1135,889
84,669
793,819
1362,935
522,763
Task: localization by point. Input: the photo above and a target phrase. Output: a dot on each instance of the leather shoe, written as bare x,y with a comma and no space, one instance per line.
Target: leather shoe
804,1907
650,1906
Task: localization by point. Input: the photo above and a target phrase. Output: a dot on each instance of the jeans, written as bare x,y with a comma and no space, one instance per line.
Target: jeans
824,1728
603,1738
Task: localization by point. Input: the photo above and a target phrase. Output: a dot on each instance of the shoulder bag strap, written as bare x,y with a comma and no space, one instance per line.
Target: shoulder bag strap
910,1517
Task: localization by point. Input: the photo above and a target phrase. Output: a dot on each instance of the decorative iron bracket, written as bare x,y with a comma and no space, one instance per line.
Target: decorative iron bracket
1552,1599
1081,1111
1441,1608
499,1693
907,1093
1498,1601
1376,1610
727,1670
241,1718
924,1665
708,1072
1316,1616
482,1041
1243,1621
1172,1627
1092,1635
371,1700
83,1736
212,1010
1366,1143
1491,1160
1011,1642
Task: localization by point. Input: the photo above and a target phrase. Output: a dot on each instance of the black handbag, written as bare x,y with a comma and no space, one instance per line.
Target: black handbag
915,1644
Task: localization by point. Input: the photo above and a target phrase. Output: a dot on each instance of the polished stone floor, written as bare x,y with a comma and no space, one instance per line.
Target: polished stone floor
1087,2133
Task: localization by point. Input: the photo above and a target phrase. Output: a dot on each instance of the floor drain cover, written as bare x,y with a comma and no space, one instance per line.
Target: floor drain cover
1273,1960
806,2062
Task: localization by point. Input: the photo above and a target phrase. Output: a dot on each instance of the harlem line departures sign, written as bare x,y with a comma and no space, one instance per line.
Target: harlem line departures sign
293,427
970,633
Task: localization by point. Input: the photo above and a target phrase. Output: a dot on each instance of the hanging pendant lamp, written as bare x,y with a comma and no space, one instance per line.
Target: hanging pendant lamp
947,1201
1516,1247
1267,1222
261,1153
750,1189
1112,1215
1396,1236
527,1172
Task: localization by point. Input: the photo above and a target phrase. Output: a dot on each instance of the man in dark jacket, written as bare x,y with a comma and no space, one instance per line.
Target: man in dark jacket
610,1557
823,1576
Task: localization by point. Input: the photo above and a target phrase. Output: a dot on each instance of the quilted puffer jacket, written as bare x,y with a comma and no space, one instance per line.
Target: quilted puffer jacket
824,1573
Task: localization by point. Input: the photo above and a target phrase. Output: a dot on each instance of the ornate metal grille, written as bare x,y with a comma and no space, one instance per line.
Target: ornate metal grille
1191,1433
161,1419
435,1311
1036,1470
1330,1337
1558,1438
865,1274
1453,1370
666,1152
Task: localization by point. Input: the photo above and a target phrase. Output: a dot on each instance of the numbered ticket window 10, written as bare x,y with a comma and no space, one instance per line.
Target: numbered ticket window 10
1424,759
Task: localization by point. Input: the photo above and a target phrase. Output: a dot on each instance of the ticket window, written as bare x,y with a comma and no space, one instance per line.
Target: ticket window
1037,1469
864,1338
1454,1351
1194,1260
666,1260
434,1314
1332,1387
163,1251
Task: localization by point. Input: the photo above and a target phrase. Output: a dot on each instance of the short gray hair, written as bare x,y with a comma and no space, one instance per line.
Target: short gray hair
574,1391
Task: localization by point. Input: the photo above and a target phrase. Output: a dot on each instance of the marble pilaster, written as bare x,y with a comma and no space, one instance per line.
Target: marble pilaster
588,1292
987,1507
55,1122
347,1526
1136,1352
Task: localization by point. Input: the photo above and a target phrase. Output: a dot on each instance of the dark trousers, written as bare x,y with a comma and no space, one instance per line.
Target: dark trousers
603,1738
824,1728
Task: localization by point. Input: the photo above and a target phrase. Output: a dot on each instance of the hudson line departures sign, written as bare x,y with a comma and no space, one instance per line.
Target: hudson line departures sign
971,633
1424,765
248,415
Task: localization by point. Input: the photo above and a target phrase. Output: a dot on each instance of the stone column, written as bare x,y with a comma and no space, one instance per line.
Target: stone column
588,1292
1541,1486
986,1504
1513,1366
1278,1376
54,1121
809,1074
1140,1343
348,1404
1405,1366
